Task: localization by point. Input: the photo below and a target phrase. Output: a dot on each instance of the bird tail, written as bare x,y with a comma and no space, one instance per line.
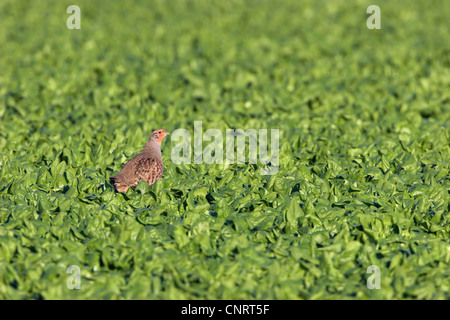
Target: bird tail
118,184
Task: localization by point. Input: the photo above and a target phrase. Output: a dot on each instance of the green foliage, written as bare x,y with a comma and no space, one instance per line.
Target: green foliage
364,150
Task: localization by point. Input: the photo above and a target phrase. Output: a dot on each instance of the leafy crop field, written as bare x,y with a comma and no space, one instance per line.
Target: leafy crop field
364,150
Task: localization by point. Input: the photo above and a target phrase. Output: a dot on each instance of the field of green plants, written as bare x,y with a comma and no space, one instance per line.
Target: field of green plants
364,150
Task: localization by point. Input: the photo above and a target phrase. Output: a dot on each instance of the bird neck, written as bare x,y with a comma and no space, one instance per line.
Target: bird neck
153,148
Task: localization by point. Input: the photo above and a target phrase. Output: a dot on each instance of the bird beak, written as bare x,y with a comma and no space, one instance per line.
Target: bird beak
166,134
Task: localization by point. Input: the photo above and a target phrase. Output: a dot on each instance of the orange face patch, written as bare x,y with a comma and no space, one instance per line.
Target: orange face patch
162,133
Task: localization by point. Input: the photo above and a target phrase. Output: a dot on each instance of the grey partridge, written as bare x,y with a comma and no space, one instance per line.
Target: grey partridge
147,165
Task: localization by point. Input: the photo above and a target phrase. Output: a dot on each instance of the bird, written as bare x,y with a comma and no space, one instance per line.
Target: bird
147,165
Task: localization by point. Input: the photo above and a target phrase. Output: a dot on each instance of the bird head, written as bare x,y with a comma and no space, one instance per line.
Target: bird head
158,135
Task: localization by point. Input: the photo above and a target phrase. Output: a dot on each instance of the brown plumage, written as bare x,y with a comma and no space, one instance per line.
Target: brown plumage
147,165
